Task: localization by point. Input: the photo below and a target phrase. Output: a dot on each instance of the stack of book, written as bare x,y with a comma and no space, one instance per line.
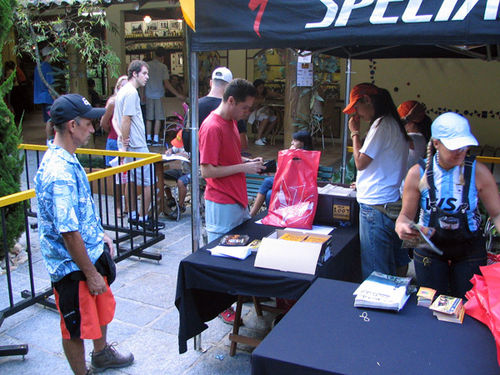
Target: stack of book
302,237
381,291
448,309
425,296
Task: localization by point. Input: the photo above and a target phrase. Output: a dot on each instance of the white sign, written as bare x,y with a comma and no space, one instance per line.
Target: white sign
304,70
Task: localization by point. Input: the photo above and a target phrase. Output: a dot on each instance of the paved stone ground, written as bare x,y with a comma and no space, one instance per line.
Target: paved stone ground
146,320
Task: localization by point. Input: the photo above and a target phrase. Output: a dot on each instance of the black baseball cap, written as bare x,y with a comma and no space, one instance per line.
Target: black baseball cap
67,107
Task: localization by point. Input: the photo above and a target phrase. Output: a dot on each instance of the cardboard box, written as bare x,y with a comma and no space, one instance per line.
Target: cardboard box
293,256
334,209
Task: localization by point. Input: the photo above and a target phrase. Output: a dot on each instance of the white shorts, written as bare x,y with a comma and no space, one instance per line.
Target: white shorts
154,109
261,114
141,175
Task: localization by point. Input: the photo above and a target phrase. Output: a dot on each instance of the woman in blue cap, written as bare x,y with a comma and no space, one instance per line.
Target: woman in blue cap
447,187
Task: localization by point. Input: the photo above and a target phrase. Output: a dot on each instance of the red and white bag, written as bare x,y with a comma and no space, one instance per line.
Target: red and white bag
294,196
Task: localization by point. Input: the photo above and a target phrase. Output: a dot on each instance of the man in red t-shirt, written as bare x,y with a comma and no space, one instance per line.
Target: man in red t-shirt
223,167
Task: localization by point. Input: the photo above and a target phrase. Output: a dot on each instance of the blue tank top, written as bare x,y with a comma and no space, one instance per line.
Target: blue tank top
449,194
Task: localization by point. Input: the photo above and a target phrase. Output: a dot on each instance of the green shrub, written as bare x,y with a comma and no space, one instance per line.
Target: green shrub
11,164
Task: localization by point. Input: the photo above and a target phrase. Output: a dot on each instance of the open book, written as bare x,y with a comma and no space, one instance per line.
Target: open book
421,241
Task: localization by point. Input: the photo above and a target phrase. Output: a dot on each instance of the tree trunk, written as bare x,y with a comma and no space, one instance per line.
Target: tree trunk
78,80
77,73
296,107
291,96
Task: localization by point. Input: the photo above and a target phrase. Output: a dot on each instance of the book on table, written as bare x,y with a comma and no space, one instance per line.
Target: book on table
381,291
448,308
425,296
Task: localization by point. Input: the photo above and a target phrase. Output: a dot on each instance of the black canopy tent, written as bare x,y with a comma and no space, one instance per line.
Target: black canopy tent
316,24
358,29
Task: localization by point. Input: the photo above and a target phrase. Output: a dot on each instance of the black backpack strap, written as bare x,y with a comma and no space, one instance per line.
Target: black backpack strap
468,163
432,187
421,162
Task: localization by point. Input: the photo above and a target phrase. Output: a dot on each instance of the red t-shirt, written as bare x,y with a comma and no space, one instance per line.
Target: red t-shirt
112,132
220,146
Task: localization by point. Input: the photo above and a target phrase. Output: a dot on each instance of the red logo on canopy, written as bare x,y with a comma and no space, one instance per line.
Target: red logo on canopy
254,4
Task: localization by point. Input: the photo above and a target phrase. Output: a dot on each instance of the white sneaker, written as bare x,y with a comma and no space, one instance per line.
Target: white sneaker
260,142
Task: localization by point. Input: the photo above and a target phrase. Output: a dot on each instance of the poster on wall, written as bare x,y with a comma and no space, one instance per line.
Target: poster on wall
176,63
304,70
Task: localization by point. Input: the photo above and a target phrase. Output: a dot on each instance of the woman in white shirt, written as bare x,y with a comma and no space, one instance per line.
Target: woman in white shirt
381,164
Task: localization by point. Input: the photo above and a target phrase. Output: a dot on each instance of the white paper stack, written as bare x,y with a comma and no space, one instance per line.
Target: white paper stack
336,190
238,252
381,291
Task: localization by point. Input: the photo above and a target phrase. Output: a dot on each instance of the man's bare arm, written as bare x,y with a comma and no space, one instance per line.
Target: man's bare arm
212,171
125,125
76,248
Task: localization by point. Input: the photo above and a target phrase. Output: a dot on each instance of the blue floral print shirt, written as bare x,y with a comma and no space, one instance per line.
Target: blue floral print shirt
65,204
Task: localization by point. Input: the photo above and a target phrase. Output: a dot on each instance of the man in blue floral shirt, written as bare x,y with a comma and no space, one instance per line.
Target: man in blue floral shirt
72,240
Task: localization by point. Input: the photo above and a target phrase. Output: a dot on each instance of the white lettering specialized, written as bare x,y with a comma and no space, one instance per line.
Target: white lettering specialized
444,12
347,7
377,16
331,12
464,10
410,13
491,11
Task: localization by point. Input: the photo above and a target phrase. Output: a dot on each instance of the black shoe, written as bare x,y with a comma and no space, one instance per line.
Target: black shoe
277,319
109,357
148,224
171,202
176,213
151,225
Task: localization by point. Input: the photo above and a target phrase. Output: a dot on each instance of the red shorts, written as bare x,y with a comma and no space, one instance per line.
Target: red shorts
82,314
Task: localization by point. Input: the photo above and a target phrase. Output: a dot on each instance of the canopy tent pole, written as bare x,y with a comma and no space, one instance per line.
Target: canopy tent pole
193,119
195,182
346,118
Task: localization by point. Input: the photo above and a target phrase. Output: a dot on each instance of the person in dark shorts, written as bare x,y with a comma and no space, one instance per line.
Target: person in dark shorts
76,251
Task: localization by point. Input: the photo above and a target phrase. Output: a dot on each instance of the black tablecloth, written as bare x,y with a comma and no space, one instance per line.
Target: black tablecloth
324,334
206,285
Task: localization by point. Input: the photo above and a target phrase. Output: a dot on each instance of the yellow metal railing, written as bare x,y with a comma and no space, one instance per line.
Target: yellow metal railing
482,159
146,159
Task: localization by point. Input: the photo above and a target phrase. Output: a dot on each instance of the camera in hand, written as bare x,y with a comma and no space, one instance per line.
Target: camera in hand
269,166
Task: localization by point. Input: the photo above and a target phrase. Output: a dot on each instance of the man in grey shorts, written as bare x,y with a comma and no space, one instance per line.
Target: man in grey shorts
128,116
155,91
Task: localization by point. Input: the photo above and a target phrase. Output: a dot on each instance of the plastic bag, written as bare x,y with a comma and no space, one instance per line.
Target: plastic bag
294,196
483,300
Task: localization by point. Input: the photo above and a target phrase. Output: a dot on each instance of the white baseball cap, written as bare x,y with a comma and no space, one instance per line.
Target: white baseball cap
222,73
46,50
453,131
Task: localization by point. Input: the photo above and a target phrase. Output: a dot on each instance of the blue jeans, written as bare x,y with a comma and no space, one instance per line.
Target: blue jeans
267,188
380,245
220,218
448,276
111,144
